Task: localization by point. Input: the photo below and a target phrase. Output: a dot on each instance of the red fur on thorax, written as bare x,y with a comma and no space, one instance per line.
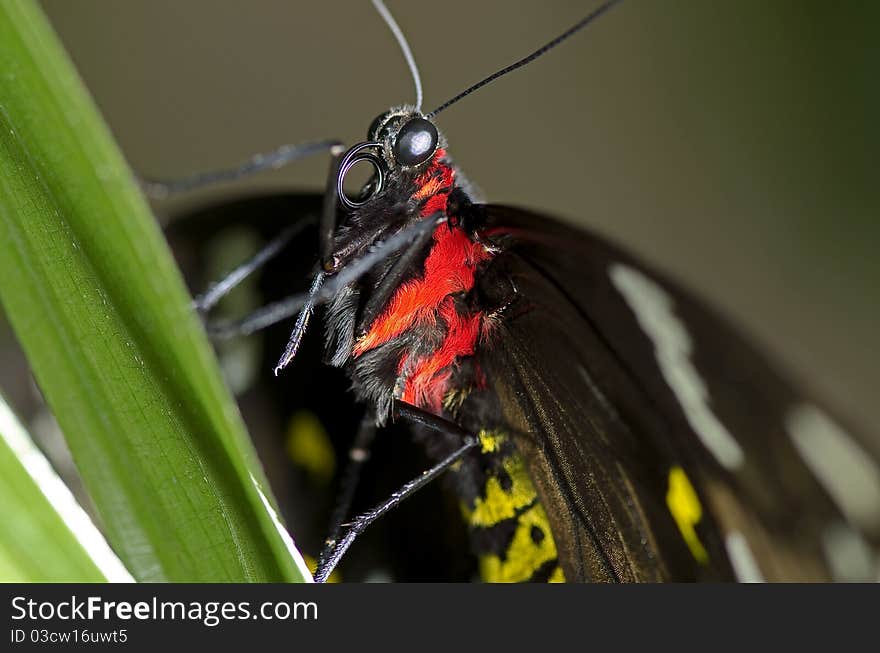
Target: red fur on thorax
428,382
434,185
424,301
449,268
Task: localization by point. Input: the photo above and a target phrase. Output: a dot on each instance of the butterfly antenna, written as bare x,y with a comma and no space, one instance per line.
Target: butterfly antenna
574,29
404,47
302,323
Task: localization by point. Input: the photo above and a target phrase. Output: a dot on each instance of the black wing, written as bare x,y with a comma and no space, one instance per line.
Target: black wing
628,394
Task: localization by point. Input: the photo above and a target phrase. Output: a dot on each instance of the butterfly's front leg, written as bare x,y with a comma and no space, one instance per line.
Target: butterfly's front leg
278,158
282,156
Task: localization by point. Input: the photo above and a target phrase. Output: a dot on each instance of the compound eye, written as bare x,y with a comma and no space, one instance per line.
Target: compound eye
378,122
416,142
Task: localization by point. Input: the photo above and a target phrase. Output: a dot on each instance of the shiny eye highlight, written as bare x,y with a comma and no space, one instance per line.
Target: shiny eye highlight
415,142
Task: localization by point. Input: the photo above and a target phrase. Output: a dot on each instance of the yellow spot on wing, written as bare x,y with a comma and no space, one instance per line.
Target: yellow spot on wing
557,576
524,556
490,441
308,446
683,503
498,503
517,500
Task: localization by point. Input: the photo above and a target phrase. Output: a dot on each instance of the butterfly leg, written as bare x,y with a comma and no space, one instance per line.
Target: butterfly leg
358,455
284,155
410,237
415,415
278,311
260,319
219,289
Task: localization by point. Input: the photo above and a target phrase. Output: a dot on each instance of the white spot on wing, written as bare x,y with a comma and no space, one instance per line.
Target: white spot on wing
744,565
849,556
846,471
285,536
653,309
60,498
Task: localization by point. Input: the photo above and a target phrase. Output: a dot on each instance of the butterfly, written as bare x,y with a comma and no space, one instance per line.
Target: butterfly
596,421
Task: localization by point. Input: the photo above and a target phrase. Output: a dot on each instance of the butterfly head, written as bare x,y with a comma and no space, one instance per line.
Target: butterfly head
408,138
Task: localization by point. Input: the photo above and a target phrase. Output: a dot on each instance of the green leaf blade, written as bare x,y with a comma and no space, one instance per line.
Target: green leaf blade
47,536
99,307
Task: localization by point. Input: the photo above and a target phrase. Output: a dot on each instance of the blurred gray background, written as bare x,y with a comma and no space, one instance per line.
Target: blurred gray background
734,144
